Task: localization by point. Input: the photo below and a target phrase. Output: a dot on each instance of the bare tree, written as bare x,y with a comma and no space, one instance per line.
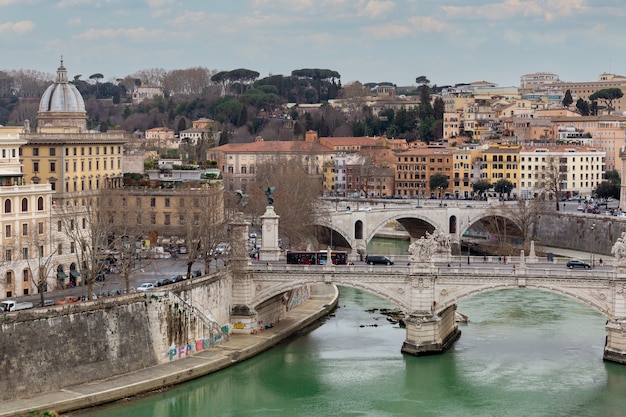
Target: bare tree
41,262
88,232
153,76
553,178
202,218
190,81
525,215
295,198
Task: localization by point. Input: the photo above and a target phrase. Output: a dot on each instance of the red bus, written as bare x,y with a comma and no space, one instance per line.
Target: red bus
316,257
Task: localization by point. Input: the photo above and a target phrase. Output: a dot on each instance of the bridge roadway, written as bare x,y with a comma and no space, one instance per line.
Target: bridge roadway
429,293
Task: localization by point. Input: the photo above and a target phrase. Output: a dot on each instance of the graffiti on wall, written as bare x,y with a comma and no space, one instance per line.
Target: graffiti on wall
299,296
177,352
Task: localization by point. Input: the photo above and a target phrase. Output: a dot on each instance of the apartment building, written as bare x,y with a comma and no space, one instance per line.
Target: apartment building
501,161
415,167
574,170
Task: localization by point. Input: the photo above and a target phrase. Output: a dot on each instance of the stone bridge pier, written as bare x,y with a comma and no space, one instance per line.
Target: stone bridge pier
429,333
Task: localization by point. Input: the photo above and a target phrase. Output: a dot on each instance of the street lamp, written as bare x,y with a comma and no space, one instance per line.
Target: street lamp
468,244
593,226
331,234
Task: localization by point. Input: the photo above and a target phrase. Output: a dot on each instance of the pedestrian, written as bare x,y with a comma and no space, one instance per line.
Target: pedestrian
499,259
484,258
504,260
513,268
600,262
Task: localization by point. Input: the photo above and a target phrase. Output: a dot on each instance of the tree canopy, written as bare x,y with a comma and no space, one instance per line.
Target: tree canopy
607,95
438,181
503,186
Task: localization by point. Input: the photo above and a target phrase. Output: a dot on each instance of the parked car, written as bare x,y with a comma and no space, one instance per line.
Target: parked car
196,273
222,249
577,263
69,299
46,303
161,282
146,286
378,259
177,278
100,277
182,250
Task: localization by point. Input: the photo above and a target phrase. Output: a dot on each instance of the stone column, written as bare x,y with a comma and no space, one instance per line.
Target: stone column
532,258
242,315
270,251
615,346
429,334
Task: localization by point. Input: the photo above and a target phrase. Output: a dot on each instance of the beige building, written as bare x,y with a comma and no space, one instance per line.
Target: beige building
579,169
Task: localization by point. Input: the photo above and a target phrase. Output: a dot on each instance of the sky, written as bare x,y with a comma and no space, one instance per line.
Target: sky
448,41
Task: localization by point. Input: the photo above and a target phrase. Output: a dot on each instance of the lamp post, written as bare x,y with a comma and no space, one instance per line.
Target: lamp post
331,234
441,196
593,226
468,245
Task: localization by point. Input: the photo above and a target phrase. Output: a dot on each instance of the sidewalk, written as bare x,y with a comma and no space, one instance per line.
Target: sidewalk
239,348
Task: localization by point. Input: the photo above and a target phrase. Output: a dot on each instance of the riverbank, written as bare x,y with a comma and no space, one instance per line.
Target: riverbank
239,348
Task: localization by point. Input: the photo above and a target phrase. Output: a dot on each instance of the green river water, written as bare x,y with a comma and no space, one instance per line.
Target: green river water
523,353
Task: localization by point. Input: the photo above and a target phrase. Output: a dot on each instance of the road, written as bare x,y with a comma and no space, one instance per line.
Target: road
149,270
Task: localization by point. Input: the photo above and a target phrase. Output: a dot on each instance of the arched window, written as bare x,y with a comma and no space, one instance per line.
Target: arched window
8,277
24,204
40,203
358,229
26,275
7,205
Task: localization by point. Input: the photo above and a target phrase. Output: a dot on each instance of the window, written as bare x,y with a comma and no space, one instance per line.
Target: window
152,202
181,219
24,229
71,224
72,247
53,151
84,223
167,201
40,228
36,166
7,230
25,275
9,277
167,218
59,226
24,253
24,204
152,218
40,203
53,166
41,252
35,151
7,206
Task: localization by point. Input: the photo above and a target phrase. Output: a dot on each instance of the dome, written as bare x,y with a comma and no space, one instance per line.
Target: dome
62,96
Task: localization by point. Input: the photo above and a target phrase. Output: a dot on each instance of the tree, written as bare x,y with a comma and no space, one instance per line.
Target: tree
503,186
567,99
201,214
97,77
481,186
608,189
583,107
607,95
297,188
422,80
438,181
553,178
613,176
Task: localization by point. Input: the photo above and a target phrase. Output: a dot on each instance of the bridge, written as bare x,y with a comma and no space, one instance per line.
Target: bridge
352,224
429,294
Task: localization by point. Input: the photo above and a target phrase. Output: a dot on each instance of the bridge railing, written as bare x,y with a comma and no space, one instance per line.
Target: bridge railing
546,270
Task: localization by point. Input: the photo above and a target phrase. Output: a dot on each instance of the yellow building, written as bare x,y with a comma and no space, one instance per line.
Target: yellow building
465,170
62,152
501,161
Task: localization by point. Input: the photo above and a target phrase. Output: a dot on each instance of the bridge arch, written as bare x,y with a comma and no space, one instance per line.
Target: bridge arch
598,304
415,224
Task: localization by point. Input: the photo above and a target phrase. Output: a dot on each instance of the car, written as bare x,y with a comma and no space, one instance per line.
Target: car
365,209
253,235
182,250
222,249
378,259
100,277
46,303
177,278
577,263
69,299
161,282
146,286
196,273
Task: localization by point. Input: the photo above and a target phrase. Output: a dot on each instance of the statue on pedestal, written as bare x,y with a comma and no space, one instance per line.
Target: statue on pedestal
619,251
422,250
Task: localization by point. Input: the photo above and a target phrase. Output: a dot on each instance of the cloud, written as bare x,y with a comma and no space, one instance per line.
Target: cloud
508,9
190,17
158,4
428,24
71,3
75,22
375,8
136,34
21,27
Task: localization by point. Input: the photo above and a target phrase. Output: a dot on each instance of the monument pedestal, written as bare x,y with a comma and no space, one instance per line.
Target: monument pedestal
270,250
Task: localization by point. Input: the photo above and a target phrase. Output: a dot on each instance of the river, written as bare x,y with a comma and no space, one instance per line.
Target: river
523,353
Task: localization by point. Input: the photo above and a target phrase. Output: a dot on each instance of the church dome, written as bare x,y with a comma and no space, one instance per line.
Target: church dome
62,96
62,107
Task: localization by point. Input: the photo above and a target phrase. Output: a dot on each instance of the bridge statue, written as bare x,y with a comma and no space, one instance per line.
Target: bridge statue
619,251
422,250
